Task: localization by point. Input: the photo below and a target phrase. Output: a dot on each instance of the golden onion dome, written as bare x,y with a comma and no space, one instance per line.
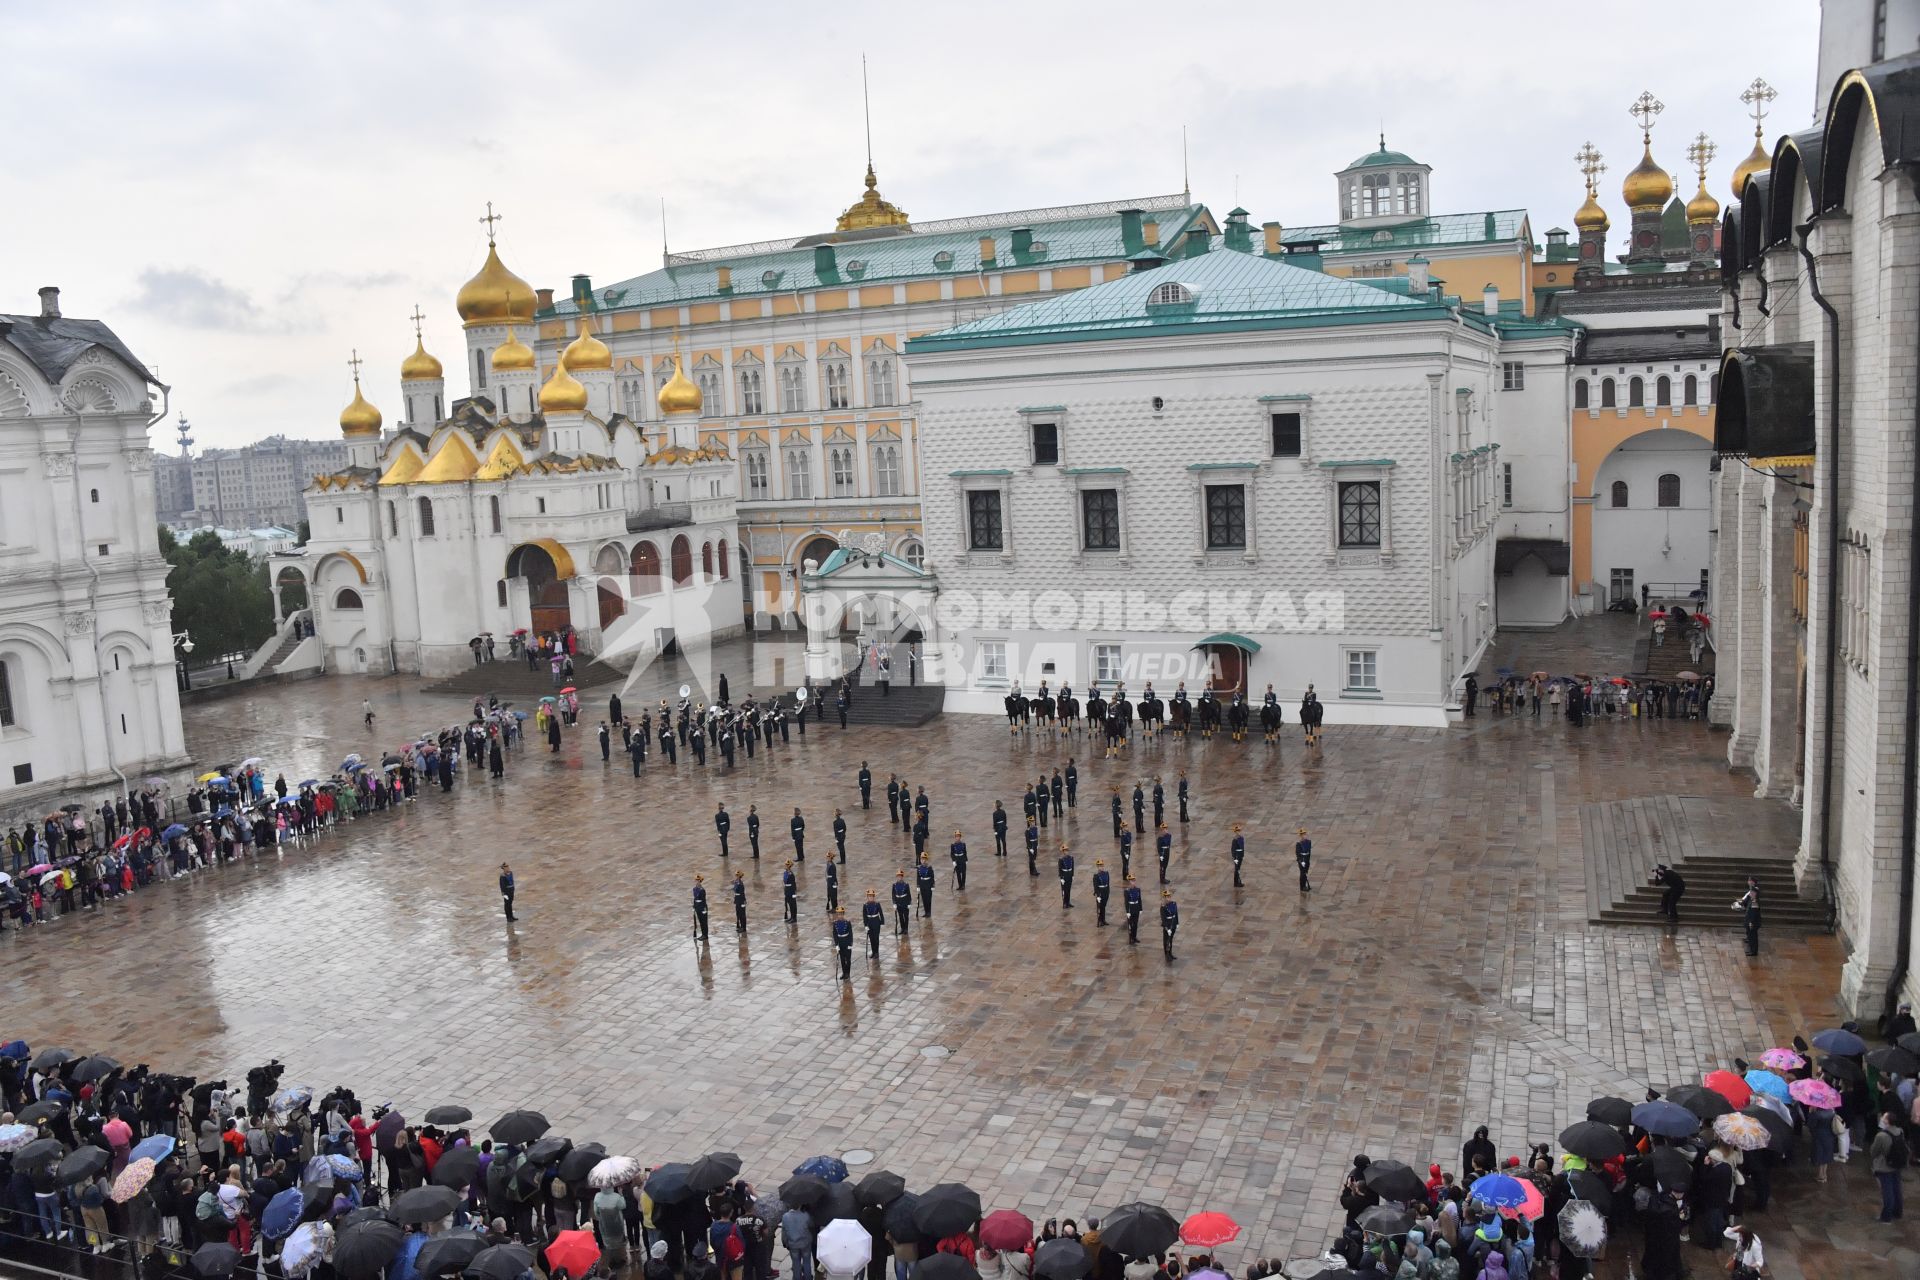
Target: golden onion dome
1703,207
586,351
1590,216
871,210
562,394
359,418
495,295
680,394
513,355
1647,185
1757,162
420,366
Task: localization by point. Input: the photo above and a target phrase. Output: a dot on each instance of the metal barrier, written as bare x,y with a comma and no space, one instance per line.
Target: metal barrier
30,1252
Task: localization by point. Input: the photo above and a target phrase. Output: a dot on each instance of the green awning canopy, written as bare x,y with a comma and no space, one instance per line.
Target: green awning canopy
1227,637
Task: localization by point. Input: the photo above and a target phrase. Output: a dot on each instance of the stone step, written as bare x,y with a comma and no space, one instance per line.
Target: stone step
906,707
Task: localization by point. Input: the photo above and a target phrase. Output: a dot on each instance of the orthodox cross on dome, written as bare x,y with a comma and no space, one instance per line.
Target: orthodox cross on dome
355,364
1701,152
1758,96
490,219
417,317
1589,161
1645,110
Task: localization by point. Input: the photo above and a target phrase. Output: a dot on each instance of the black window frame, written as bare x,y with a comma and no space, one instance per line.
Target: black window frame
1052,438
986,521
1279,429
1357,511
1226,516
1100,528
1668,486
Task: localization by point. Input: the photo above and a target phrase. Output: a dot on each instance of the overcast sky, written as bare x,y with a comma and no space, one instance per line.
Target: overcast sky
245,191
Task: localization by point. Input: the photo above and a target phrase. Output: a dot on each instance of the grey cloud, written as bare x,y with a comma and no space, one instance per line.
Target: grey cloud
261,385
193,299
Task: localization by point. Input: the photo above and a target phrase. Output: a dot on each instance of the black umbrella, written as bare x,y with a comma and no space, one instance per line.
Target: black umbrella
801,1191
1895,1060
365,1249
579,1162
1385,1220
38,1152
457,1168
500,1262
1844,1069
448,1255
49,1059
1592,1188
1672,1168
1392,1180
880,1188
1838,1040
1593,1140
90,1069
1061,1259
1703,1102
713,1171
316,1201
83,1163
548,1149
668,1185
1617,1112
215,1260
1139,1230
449,1115
36,1112
387,1132
943,1266
839,1202
1779,1128
947,1210
425,1204
365,1213
1910,1042
899,1219
518,1127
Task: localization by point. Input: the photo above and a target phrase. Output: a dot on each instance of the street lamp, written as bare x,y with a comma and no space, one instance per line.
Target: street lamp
183,642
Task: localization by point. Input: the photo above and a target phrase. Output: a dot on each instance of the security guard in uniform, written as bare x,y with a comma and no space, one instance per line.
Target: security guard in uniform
906,805
723,824
833,886
739,902
958,852
1119,824
700,908
1303,854
1073,783
1159,802
1033,848
790,893
1102,890
753,829
798,826
1183,795
872,915
902,903
840,835
1066,877
923,877
1239,855
1163,845
1169,921
1130,900
843,943
1139,809
866,786
893,798
999,830
1126,855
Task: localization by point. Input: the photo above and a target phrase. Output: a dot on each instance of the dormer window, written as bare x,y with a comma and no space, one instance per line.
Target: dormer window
1170,294
942,260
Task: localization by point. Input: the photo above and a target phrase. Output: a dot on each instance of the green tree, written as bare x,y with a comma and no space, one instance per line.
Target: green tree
302,534
220,596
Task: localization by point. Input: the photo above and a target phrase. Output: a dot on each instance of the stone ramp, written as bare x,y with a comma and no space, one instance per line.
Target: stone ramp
1715,844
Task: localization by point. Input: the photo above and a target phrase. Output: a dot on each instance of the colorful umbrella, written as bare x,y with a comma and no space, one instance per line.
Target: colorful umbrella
15,1136
1782,1060
1499,1190
132,1180
1209,1230
614,1171
1815,1093
206,777
1530,1208
1741,1132
1583,1229
310,1244
825,1168
1006,1229
577,1252
1766,1082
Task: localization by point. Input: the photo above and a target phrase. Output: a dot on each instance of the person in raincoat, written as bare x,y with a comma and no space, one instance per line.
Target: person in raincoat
609,1217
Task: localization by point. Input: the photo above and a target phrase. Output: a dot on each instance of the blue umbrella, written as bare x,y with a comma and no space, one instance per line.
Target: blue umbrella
310,782
345,1168
173,832
220,784
1840,1041
288,800
1501,1191
1666,1119
351,762
224,811
318,1172
282,1214
825,1168
15,1051
1768,1083
156,1149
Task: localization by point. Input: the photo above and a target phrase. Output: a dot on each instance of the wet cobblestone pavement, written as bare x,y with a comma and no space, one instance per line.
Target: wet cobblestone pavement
1440,975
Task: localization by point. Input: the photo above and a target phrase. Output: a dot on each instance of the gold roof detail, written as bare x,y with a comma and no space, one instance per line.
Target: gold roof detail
503,461
586,351
1758,96
454,461
495,295
1703,207
420,366
1757,162
512,356
562,393
359,418
1591,216
1647,185
870,210
407,464
673,453
680,394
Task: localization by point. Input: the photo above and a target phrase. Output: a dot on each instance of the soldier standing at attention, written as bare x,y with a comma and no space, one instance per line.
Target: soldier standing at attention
506,885
790,893
1183,795
1033,848
1066,877
1169,921
798,826
920,834
902,902
606,743
1102,890
1039,794
1164,846
1126,855
999,830
637,750
1073,783
1119,823
1059,790
893,798
739,902
753,829
833,886
839,835
1303,854
1139,809
958,852
923,876
1159,803
1130,900
1239,855
843,943
872,915
906,805
723,824
866,786
700,908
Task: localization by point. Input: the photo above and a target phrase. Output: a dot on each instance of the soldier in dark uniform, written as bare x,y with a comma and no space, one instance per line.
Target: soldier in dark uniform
1237,715
1033,848
698,741
506,891
920,835
753,829
1303,855
1030,805
902,903
923,878
1239,854
1169,921
1066,877
1182,792
723,824
637,751
843,943
958,852
1126,854
1073,784
739,902
921,804
1749,902
1270,714
840,835
1159,802
833,886
666,740
866,786
872,915
798,826
700,908
606,743
1182,710
893,798
1672,887
1102,890
726,742
1139,809
1118,820
1130,901
1058,788
783,725
1039,794
999,830
906,805
1163,846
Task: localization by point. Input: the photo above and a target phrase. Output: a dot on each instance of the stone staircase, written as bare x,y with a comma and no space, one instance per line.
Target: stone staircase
1715,845
510,678
904,707
288,643
1668,660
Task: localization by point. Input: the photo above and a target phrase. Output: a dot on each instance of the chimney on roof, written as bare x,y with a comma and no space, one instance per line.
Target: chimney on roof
1198,242
1150,232
723,279
50,302
1417,282
824,263
543,298
582,292
1272,232
986,251
1022,240
1490,299
1129,226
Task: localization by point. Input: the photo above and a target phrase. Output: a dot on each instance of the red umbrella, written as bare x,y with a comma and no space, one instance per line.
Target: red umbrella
1703,619
1729,1086
1656,613
1209,1230
1532,1207
1620,680
574,1251
1006,1229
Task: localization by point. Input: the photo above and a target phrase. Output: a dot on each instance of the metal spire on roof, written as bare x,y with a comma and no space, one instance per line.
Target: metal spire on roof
866,107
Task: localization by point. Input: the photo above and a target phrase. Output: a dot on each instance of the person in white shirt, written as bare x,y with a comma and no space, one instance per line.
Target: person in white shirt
1749,1259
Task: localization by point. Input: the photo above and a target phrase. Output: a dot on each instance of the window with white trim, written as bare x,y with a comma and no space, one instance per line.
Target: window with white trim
880,390
1359,514
1513,376
993,660
1045,438
840,464
752,400
1226,514
1100,519
799,468
712,396
1363,670
6,694
985,527
1506,484
914,552
756,474
886,470
1669,490
839,396
1285,431
793,389
1106,664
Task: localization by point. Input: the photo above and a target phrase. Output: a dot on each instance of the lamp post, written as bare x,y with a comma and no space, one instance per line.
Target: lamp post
184,643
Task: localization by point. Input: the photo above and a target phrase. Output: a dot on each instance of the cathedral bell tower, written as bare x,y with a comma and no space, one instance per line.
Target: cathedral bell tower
423,383
1591,221
1647,187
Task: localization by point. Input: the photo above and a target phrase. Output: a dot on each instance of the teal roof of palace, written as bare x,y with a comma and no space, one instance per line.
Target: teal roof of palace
892,255
1374,159
1230,290
1491,227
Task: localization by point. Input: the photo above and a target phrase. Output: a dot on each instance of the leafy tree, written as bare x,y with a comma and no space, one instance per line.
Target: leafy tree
304,532
220,596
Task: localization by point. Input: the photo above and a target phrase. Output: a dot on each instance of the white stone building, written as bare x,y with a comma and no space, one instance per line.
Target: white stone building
87,678
1227,464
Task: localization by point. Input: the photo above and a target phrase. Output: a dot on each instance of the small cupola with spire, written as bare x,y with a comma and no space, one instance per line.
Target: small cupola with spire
1384,189
423,381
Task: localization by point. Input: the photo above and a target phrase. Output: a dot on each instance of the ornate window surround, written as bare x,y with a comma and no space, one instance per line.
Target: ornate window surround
1202,474
1001,480
1342,471
1084,478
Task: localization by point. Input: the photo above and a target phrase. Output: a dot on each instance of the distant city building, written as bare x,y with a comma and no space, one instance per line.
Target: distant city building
258,484
258,542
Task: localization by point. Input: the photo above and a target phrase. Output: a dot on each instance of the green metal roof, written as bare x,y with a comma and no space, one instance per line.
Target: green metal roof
1374,159
1490,227
1233,638
1229,290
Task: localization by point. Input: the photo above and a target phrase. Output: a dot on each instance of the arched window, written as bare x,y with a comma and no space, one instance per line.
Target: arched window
1579,393
1663,391
752,399
886,471
493,510
1669,490
1690,390
346,598
1619,493
880,381
839,396
500,591
645,566
393,519
426,517
914,553
706,560
6,695
1606,393
682,561
726,567
1713,389
609,560
1636,393
1170,294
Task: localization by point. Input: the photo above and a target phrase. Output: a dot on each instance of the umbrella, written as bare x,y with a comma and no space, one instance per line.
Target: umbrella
15,1136
1666,1119
319,1172
1779,1128
945,1210
668,1184
1006,1230
1782,1060
366,1213
1385,1220
1815,1093
51,1059
209,777
81,1164
614,1171
14,1051
839,1202
1893,1059
345,1168
1211,1230
1499,1191
173,831
800,1191
366,1248
36,869
518,1127
1703,1102
448,1255
1591,1187
50,877
548,1149
283,1214
132,1180
1061,1259
449,1115
1583,1229
38,1152
899,1219
1729,1086
843,1247
1391,1179
1593,1141
291,1099
309,782
457,1168
943,1266
880,1188
569,689
1910,1042
1672,1168
825,1168
1741,1132
1840,1040
425,1204
1766,1082
35,1112
1532,1207
1844,1069
213,1260
713,1171
1617,1112
156,1148
581,1161
1686,675
311,1242
500,1262
1139,1230
574,1251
